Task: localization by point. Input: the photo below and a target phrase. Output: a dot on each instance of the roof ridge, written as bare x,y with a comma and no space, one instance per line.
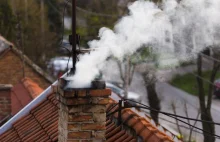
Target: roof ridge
32,64
26,59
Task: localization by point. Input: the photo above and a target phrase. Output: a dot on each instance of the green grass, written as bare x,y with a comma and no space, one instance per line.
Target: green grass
188,82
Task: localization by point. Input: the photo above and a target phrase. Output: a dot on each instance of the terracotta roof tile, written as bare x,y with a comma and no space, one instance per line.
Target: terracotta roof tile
41,124
23,93
10,135
123,137
33,88
128,139
142,127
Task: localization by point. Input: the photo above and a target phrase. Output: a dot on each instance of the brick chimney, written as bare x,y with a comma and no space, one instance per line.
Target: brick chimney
5,101
82,113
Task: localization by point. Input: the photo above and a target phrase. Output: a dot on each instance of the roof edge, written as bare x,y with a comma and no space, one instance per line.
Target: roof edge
33,65
143,114
6,41
27,60
26,109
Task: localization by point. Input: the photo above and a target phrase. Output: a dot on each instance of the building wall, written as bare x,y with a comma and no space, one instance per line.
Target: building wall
11,71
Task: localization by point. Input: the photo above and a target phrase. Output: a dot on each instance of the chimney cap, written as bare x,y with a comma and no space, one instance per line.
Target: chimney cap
5,86
95,84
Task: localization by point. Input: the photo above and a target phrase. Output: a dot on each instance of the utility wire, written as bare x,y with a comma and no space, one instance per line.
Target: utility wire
204,131
92,13
202,54
183,126
175,117
145,106
54,7
170,115
209,57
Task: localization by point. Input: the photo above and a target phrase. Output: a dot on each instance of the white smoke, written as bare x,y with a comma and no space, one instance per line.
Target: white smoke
184,28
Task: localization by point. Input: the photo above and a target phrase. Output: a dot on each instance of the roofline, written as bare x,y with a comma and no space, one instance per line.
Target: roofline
33,65
27,108
5,40
27,60
45,94
174,133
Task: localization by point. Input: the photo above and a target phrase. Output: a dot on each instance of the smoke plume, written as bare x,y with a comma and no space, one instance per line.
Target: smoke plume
180,28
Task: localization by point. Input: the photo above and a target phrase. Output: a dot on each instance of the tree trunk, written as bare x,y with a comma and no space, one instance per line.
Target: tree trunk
154,101
205,111
206,116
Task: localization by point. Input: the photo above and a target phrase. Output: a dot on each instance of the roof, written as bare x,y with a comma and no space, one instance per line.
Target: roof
23,93
6,46
40,123
144,128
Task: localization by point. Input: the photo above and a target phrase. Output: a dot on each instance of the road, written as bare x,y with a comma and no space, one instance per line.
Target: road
167,95
171,94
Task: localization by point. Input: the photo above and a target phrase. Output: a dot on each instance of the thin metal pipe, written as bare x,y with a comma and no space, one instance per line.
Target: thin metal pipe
74,55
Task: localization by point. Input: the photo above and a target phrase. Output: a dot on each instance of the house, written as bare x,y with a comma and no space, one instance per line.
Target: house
21,80
14,98
80,115
15,66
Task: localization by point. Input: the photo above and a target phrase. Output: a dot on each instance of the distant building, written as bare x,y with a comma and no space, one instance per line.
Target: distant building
12,69
14,98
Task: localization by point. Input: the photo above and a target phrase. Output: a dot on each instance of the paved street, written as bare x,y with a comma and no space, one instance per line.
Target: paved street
171,94
167,95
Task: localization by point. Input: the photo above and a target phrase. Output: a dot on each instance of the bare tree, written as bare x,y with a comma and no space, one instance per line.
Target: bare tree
129,63
126,70
190,128
194,124
177,122
205,106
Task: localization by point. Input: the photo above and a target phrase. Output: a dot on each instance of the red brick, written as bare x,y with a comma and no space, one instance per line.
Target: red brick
73,140
79,93
75,126
79,135
80,118
93,126
100,93
94,108
78,101
100,101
